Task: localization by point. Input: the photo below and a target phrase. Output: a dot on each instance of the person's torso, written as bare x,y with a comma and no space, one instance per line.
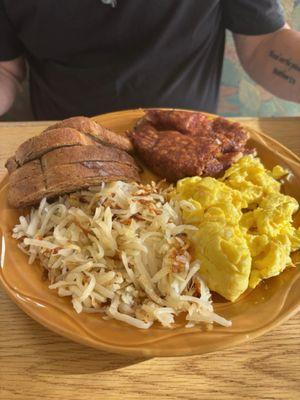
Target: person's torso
89,57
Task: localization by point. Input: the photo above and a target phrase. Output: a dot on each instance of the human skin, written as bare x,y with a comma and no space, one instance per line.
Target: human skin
12,73
273,61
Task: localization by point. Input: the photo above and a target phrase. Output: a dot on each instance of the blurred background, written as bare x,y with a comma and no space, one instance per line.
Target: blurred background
239,95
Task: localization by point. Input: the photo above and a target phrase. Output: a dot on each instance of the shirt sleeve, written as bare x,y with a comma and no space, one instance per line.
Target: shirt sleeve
10,45
253,17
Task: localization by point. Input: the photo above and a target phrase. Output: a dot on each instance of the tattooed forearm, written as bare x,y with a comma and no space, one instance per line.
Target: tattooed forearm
286,72
273,61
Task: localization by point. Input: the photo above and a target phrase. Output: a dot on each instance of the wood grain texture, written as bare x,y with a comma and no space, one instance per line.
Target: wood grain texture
35,362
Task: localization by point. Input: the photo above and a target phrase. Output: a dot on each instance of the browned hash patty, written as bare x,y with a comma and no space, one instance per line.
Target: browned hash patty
178,144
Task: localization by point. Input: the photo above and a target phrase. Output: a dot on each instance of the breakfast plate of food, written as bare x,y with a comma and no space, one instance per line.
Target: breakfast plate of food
154,232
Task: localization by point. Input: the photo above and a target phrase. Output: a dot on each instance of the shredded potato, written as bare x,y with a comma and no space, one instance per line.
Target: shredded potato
121,250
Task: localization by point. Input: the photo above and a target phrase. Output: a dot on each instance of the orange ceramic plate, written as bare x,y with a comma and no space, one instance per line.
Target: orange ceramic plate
255,313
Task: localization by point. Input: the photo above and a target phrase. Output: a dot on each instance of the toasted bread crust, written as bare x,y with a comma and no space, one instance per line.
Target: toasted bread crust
11,164
71,177
97,132
26,185
74,154
28,170
37,146
31,182
68,156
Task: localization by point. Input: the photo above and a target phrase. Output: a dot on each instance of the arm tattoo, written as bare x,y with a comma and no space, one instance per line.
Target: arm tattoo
288,64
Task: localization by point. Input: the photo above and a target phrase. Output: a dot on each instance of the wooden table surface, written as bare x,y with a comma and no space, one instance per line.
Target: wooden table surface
36,363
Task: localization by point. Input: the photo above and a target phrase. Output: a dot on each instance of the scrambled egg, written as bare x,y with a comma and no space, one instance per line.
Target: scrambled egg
245,232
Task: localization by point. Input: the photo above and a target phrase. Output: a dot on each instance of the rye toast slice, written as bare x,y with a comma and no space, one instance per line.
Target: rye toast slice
33,181
72,177
37,146
97,132
26,185
75,154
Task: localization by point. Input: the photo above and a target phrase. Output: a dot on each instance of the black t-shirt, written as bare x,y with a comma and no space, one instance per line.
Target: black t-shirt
87,57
